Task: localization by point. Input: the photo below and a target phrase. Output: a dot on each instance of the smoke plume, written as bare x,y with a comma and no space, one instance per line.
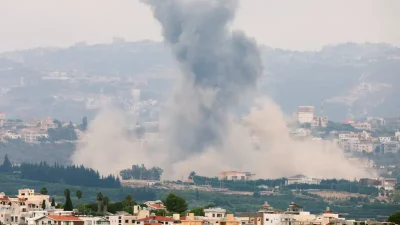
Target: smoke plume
200,130
218,67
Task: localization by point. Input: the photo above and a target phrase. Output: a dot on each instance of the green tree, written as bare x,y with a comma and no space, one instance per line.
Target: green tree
128,201
68,202
84,124
199,211
43,191
79,196
44,204
175,203
99,199
53,202
395,218
6,166
106,201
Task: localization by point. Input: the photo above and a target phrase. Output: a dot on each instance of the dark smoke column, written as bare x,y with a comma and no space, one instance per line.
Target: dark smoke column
218,67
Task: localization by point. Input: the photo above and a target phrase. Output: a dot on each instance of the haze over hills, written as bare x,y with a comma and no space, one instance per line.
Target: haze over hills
350,79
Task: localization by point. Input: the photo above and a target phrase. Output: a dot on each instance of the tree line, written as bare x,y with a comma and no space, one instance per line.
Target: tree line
72,175
141,173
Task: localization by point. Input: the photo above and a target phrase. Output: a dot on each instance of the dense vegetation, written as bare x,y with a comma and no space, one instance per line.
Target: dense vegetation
338,185
141,173
236,185
72,175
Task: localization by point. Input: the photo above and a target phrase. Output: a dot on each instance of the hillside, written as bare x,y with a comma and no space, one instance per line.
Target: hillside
350,79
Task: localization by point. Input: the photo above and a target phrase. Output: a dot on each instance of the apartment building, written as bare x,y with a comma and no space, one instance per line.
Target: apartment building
305,114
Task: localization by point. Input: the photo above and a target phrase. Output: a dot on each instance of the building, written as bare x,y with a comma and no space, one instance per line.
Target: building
320,121
235,175
33,200
362,126
32,135
301,179
365,147
388,184
391,147
305,114
48,123
157,220
155,205
384,139
59,220
214,213
94,220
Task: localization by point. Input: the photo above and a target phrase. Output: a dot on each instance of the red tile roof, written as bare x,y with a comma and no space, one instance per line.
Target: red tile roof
4,199
156,206
157,218
63,218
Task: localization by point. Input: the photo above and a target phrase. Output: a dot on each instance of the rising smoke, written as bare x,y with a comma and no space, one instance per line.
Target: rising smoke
200,129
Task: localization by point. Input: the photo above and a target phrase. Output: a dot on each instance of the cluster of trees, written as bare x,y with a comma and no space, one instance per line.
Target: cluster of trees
6,166
141,173
338,185
62,133
235,185
72,175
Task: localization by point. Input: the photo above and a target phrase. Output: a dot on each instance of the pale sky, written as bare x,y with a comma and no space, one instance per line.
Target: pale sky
289,24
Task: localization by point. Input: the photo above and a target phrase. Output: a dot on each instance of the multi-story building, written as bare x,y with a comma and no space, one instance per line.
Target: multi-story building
362,125
305,114
320,121
33,200
391,147
32,135
301,179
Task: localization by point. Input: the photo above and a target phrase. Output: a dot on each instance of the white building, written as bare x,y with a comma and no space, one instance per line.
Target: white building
301,179
384,139
94,220
235,175
305,114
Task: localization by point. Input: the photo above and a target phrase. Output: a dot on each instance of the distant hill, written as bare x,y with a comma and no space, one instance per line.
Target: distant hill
350,79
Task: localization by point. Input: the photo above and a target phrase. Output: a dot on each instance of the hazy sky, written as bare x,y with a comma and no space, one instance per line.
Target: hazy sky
291,24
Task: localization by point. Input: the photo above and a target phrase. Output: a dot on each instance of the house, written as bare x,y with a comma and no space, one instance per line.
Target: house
235,175
384,139
157,220
32,135
214,213
48,123
365,147
305,114
11,135
391,147
96,220
302,179
33,200
362,126
59,220
155,205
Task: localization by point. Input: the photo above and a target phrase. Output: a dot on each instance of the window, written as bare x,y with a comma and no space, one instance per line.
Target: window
213,215
49,222
133,221
126,221
267,219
